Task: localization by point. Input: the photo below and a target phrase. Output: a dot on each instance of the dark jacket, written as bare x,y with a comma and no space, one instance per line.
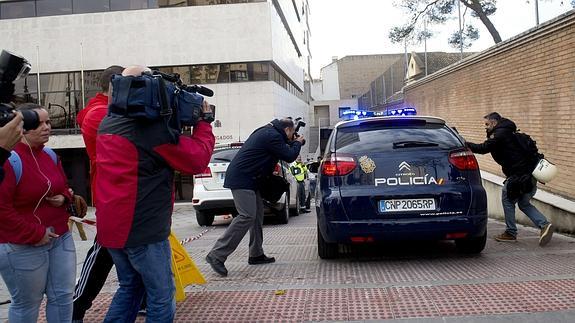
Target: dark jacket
4,154
135,162
259,155
504,148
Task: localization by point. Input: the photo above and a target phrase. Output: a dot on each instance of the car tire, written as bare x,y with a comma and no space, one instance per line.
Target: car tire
283,214
295,211
471,245
204,218
325,249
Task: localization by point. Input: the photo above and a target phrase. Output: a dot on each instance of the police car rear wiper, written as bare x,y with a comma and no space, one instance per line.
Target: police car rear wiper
223,159
413,143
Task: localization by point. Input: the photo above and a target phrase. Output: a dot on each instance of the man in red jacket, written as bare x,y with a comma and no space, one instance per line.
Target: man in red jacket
136,159
98,262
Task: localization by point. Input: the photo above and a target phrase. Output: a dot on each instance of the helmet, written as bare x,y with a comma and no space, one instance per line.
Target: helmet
545,171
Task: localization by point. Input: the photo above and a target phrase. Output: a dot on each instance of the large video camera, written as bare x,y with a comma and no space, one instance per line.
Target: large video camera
155,96
13,67
298,123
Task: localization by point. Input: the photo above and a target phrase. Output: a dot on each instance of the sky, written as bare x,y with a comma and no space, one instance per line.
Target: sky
361,27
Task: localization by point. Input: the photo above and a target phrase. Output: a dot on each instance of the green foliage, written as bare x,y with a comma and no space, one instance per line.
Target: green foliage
437,12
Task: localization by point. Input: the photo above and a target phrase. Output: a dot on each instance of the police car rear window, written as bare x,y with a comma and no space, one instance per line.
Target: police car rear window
381,138
224,155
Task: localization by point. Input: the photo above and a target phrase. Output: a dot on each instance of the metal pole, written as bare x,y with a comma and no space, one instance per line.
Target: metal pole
536,12
425,45
38,73
405,55
460,29
82,73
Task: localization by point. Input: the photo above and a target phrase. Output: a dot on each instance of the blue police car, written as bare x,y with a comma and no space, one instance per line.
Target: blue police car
399,178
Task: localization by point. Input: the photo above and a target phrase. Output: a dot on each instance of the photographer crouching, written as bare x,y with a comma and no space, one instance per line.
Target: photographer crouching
138,148
245,176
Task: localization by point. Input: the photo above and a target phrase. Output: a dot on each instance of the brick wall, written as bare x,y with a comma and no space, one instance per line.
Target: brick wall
529,79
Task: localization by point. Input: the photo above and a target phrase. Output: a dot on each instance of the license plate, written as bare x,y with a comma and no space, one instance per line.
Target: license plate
406,205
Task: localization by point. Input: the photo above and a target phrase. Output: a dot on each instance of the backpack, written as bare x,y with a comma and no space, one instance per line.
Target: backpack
529,147
16,162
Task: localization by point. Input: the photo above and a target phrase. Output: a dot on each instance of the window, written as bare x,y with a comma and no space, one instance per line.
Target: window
238,72
172,3
61,95
20,9
53,7
26,90
84,6
258,71
378,138
116,5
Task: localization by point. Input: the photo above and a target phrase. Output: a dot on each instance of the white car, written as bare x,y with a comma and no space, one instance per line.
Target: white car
211,198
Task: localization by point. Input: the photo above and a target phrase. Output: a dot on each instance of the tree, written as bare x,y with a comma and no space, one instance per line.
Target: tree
435,12
438,12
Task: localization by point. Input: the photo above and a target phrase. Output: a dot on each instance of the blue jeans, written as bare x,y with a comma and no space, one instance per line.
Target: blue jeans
143,269
30,272
524,205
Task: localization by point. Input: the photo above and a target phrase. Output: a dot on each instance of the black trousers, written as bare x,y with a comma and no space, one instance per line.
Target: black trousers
94,273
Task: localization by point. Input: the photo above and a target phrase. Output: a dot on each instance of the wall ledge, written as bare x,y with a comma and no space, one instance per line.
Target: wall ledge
541,195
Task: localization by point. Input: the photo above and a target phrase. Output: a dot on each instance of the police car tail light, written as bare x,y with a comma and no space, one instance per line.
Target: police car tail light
463,160
338,165
205,174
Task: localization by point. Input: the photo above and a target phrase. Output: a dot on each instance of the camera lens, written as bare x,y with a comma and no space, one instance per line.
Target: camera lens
31,119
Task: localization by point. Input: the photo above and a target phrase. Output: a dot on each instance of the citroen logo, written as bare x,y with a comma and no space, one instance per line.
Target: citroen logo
404,166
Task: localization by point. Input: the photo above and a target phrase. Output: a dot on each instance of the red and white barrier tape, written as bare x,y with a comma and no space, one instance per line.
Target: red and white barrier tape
182,242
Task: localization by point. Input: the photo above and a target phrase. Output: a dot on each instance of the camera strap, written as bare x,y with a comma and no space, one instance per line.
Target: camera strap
168,113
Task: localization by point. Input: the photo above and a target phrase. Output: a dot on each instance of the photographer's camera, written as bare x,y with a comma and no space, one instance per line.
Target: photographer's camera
13,67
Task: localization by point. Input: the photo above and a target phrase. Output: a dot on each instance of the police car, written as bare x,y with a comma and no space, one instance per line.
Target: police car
211,198
399,178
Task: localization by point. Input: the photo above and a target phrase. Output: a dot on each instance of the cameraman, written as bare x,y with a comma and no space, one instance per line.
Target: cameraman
135,161
10,135
256,159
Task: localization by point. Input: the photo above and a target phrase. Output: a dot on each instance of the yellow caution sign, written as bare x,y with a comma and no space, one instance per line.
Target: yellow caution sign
184,268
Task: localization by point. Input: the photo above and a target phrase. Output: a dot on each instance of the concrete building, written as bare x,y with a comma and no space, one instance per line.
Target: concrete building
340,85
254,54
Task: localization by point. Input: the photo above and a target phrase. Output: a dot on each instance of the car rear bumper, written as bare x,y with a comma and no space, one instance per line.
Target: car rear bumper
212,200
436,228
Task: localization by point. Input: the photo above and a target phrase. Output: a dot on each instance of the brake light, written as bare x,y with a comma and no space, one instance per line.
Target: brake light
205,174
338,165
463,160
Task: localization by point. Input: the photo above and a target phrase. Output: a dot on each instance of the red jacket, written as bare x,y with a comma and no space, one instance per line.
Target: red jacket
89,122
18,223
135,187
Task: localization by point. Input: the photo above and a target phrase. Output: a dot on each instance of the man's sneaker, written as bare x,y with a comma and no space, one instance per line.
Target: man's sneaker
546,234
263,259
217,265
506,237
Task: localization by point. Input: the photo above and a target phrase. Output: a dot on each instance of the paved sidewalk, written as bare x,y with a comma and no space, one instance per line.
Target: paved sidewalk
415,282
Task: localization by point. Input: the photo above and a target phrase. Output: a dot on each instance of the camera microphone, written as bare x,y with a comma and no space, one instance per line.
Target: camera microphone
200,89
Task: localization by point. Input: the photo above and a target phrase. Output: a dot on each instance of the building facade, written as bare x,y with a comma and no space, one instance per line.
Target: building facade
254,54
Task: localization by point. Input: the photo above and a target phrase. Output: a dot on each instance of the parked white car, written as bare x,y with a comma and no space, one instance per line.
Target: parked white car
211,198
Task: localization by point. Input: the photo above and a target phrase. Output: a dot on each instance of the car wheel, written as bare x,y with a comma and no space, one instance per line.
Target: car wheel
325,249
204,218
295,211
283,214
471,245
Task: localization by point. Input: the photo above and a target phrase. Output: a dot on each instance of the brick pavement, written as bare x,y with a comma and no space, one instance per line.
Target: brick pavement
430,282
